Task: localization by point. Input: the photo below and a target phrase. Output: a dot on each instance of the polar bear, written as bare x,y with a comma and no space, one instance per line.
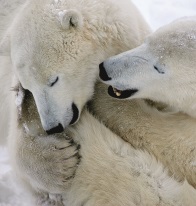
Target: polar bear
161,70
76,30
111,172
48,42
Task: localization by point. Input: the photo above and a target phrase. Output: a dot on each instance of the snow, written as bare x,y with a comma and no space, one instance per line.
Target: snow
160,12
19,98
157,13
61,15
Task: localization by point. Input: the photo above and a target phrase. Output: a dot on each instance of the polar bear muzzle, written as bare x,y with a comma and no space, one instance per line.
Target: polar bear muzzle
114,92
59,128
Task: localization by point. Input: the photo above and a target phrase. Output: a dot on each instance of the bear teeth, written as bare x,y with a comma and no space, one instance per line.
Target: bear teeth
117,92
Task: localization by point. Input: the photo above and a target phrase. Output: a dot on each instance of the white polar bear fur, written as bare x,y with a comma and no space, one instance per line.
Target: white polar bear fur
78,43
8,10
26,145
110,173
113,179
163,70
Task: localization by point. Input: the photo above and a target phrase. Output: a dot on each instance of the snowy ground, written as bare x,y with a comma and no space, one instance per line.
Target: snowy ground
157,13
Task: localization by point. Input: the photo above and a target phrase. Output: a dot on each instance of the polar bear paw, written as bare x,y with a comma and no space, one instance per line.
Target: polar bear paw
67,158
49,163
59,163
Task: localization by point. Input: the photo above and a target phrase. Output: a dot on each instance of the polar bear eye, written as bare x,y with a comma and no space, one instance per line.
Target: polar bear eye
159,70
54,82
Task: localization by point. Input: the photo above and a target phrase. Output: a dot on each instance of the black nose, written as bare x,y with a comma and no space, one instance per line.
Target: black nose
57,129
103,74
75,114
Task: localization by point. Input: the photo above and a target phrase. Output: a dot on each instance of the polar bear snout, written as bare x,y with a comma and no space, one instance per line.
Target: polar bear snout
55,113
111,73
52,126
55,127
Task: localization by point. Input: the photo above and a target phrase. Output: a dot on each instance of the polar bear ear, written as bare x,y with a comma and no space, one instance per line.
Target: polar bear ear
70,18
5,46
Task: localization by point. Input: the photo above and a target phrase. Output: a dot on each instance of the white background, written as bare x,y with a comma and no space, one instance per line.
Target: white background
157,13
160,12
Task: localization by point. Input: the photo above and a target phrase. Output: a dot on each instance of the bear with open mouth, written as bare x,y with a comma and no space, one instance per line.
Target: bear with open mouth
159,76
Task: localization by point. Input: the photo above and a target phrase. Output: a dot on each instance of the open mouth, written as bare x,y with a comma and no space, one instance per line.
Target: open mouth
121,94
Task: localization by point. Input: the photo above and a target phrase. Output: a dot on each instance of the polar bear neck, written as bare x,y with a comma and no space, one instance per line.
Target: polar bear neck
184,101
188,105
159,133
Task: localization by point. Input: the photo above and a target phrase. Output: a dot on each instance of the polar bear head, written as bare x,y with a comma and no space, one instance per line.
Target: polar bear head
50,53
56,47
163,69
